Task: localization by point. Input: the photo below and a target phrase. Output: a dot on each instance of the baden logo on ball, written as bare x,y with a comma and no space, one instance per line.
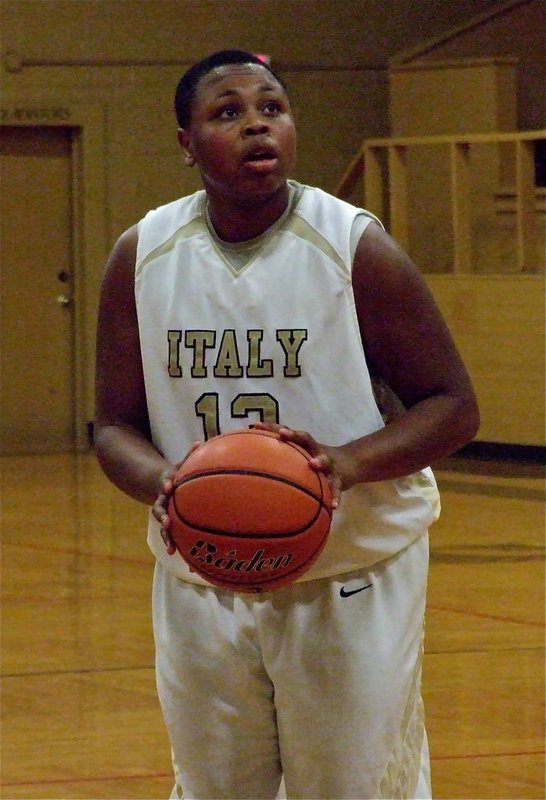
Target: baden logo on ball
248,513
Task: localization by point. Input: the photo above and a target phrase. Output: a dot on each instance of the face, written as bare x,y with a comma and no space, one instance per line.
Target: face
242,134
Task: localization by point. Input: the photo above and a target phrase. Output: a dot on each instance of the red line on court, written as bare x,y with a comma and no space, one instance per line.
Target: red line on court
88,779
154,775
488,755
471,613
141,562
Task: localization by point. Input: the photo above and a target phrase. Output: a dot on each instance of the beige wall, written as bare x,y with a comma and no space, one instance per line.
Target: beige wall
116,63
516,28
498,324
486,78
109,68
466,95
129,54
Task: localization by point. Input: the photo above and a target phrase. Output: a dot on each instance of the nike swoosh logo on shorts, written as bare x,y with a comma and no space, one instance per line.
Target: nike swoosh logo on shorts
348,592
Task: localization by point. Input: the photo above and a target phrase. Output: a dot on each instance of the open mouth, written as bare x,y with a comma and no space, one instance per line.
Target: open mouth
260,156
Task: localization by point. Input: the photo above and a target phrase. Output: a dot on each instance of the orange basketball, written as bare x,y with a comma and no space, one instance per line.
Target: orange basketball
248,513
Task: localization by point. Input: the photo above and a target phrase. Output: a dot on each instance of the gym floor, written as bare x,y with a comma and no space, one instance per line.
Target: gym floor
80,713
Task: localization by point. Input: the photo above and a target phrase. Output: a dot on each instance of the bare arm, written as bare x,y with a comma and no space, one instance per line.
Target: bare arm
408,345
122,434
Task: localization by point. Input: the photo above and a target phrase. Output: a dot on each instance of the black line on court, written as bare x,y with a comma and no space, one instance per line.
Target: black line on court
491,490
509,553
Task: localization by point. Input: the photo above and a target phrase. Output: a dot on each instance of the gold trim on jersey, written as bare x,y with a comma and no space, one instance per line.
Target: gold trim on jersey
239,256
303,230
290,221
196,225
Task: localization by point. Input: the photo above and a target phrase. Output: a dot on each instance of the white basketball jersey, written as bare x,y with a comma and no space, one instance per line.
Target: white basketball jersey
276,339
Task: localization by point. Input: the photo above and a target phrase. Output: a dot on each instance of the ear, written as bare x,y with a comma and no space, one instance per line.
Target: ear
185,144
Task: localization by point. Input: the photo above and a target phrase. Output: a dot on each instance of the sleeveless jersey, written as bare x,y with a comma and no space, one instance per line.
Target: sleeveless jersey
276,339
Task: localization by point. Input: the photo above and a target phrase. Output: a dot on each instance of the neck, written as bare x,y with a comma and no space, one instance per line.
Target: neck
239,221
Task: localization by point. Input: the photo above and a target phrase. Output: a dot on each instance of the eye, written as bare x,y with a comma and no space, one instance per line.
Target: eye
273,107
227,112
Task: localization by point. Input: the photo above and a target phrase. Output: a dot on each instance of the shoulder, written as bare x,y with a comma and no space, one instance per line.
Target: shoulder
315,200
182,207
405,336
380,262
387,285
118,277
335,220
160,223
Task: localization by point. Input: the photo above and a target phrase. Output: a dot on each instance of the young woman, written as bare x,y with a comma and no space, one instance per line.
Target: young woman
258,300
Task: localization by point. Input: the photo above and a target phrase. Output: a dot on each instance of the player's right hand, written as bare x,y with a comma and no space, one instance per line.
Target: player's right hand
159,510
161,505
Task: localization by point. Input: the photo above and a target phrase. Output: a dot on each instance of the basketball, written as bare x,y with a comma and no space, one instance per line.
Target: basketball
247,511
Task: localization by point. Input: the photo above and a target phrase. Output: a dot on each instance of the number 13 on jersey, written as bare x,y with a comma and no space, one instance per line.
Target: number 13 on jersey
207,407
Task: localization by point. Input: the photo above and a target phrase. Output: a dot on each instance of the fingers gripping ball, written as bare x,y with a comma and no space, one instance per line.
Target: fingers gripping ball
248,513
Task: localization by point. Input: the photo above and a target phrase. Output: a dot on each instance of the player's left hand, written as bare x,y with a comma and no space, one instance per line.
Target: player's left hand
326,459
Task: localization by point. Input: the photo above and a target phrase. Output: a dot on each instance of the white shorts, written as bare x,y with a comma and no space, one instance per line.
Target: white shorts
318,683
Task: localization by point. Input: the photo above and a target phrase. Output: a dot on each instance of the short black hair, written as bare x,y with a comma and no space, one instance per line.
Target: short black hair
187,86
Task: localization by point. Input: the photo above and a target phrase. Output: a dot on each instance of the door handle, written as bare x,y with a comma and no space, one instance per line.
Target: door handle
64,300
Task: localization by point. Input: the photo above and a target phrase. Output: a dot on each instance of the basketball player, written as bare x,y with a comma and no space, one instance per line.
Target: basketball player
262,301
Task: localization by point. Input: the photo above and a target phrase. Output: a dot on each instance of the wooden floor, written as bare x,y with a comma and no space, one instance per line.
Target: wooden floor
80,714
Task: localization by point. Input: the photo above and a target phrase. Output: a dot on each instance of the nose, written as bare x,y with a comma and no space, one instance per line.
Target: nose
255,125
